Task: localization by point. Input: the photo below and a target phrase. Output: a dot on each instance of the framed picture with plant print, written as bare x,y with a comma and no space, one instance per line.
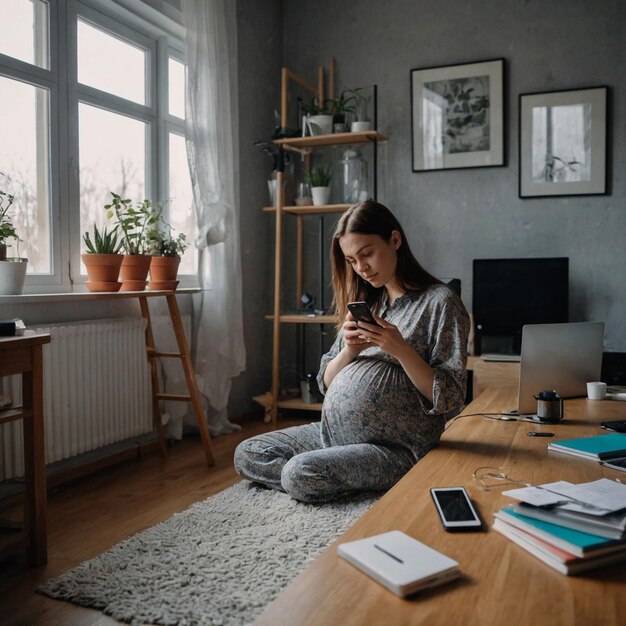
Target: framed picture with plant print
562,140
457,116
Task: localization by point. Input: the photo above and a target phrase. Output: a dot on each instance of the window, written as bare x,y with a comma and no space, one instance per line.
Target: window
24,162
100,56
25,31
93,101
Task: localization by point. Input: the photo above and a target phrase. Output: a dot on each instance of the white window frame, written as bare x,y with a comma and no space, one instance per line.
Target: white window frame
51,81
162,36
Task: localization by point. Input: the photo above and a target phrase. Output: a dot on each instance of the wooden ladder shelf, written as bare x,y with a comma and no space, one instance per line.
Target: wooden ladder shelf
183,354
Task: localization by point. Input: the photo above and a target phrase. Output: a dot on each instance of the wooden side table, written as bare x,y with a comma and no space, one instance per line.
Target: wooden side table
24,355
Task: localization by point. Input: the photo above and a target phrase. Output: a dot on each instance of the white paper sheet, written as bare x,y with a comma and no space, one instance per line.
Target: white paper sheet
604,496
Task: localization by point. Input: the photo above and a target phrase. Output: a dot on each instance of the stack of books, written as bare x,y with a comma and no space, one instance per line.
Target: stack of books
569,535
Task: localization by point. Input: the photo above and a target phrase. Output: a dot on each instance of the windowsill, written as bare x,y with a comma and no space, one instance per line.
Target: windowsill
76,296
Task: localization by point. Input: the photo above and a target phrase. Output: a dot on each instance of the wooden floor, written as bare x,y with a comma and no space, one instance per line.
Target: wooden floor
94,513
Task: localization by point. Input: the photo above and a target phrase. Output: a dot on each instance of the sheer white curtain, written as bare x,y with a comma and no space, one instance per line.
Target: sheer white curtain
211,131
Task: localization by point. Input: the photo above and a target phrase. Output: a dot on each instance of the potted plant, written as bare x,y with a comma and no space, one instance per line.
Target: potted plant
102,259
134,223
319,117
339,107
279,160
167,250
362,121
319,178
12,269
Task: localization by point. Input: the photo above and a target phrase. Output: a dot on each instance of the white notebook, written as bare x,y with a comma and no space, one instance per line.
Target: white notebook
399,562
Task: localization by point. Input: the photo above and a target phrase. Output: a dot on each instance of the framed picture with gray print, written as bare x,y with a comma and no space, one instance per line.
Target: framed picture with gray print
457,116
562,143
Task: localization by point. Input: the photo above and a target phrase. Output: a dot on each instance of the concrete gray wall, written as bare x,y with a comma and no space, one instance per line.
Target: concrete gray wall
452,217
259,42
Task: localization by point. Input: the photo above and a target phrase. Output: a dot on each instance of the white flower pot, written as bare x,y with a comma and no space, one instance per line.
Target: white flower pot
321,195
359,127
320,124
12,275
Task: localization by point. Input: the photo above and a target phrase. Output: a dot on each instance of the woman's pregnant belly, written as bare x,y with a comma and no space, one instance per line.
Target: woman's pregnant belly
370,401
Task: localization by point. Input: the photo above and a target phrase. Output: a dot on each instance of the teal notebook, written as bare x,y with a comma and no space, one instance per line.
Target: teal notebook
573,541
599,448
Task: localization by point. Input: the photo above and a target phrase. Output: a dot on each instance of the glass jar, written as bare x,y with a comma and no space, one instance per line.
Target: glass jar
353,177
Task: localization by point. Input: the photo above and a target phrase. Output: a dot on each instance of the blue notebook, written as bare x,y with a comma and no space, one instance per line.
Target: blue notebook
597,448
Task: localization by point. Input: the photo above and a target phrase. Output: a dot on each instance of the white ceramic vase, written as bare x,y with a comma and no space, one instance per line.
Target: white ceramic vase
321,195
320,124
12,275
359,127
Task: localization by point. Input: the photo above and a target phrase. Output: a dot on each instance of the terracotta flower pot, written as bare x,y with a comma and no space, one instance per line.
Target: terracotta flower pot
134,272
103,271
163,271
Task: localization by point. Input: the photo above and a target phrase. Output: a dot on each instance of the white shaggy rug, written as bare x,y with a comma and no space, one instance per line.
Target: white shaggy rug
222,561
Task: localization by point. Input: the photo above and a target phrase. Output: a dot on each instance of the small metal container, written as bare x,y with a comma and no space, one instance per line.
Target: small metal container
549,406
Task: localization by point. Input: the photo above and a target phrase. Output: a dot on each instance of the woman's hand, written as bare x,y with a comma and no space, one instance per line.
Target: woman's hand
354,344
353,337
386,336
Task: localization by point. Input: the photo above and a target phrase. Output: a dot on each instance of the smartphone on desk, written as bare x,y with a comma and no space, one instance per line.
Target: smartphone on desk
455,509
361,312
616,464
619,426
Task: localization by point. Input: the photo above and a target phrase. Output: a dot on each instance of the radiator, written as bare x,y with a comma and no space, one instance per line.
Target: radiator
96,390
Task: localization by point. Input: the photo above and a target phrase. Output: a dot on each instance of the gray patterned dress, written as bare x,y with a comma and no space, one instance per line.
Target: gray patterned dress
375,423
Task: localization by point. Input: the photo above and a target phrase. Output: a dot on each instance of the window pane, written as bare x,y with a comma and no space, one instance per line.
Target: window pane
176,75
24,149
180,205
112,150
25,30
110,64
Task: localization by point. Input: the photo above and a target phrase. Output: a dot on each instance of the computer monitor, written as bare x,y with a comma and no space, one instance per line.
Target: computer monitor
559,357
509,293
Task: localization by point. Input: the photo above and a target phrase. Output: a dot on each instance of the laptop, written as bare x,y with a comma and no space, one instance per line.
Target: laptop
562,357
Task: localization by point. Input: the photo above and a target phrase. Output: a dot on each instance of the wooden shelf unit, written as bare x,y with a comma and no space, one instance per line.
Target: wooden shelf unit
305,145
310,209
296,318
336,139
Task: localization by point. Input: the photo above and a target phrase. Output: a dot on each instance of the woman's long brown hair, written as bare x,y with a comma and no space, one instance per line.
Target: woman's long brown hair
371,218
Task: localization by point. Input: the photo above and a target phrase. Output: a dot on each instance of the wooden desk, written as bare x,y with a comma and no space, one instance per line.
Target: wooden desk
502,583
23,355
492,374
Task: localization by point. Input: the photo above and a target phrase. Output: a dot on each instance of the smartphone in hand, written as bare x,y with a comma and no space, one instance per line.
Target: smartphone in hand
362,312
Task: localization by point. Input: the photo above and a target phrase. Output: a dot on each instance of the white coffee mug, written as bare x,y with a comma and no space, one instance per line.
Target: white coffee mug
596,391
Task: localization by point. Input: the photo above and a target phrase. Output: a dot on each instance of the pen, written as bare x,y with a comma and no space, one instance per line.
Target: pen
536,433
393,556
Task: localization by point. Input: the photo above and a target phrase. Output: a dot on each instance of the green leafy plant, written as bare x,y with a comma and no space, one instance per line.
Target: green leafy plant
103,242
319,177
134,222
362,101
338,107
273,151
317,108
162,242
7,230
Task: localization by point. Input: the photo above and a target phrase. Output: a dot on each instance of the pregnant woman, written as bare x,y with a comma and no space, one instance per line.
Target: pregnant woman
389,387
